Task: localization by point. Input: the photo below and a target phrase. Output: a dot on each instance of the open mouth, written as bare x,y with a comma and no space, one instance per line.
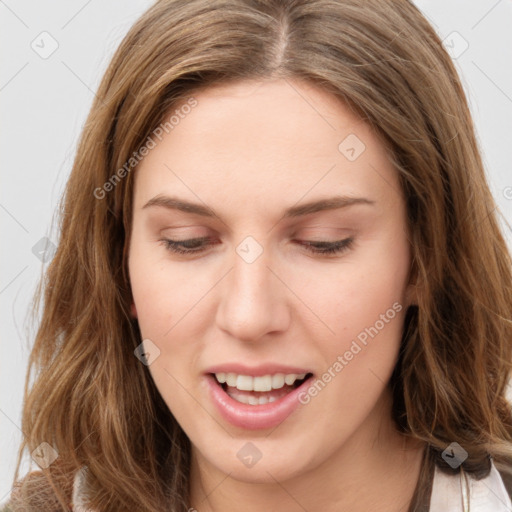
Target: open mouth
279,388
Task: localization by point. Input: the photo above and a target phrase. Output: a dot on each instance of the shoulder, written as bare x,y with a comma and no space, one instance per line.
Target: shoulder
35,493
489,494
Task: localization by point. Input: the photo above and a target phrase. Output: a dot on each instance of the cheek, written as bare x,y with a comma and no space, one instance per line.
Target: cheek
169,313
160,293
150,288
362,325
361,305
355,296
163,298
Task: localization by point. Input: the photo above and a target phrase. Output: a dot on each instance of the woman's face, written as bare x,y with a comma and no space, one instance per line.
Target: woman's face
270,174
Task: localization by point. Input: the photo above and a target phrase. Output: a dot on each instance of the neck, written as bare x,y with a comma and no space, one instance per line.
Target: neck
377,468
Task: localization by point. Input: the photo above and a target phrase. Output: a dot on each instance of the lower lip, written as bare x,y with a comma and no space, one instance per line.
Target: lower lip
254,417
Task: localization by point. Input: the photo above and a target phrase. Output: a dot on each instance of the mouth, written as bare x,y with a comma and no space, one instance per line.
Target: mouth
239,401
259,390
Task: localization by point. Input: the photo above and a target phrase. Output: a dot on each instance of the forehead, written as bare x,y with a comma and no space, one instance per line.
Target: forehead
265,143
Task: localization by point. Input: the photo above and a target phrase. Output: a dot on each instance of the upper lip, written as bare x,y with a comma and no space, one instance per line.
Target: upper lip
256,371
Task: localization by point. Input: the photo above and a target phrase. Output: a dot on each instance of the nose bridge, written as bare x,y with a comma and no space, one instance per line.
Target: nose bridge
252,301
251,270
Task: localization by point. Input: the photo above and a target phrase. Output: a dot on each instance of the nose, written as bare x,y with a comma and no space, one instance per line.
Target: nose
253,300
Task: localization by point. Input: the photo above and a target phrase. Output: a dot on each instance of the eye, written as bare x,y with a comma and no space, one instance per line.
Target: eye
197,245
192,245
326,248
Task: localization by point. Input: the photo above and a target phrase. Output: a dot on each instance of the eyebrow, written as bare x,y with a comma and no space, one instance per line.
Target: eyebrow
330,203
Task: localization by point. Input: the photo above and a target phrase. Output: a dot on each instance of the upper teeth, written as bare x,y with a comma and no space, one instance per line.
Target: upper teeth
263,383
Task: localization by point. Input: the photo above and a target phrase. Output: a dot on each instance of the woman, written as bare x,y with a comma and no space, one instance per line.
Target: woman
281,281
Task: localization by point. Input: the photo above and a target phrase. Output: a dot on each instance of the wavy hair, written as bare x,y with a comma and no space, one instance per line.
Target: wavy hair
94,402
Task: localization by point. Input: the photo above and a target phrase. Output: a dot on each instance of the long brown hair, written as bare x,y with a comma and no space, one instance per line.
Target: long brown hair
93,400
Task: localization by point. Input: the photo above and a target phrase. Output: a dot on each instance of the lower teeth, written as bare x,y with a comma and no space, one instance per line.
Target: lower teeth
251,399
256,398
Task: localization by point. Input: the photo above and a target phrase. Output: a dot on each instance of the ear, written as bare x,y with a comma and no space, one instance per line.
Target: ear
133,310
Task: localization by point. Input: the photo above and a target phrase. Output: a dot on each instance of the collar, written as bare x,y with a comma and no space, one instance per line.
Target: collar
79,497
462,492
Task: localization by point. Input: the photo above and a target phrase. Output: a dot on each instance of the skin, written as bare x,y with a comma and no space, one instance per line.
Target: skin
249,150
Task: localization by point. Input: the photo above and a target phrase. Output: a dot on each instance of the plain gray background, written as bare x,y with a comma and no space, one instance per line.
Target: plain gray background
45,98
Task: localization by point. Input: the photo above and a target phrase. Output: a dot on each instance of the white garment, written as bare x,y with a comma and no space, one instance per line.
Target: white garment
448,493
79,497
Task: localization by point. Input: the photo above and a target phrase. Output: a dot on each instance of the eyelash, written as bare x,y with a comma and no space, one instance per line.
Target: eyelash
337,247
